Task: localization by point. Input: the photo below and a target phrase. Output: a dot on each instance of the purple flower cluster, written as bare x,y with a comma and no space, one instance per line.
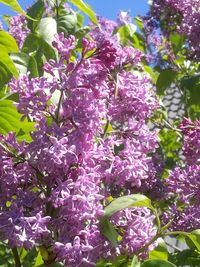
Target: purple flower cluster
183,184
137,228
18,29
91,141
185,218
181,15
191,148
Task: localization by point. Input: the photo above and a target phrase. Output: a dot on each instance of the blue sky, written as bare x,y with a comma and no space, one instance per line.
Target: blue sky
106,8
110,8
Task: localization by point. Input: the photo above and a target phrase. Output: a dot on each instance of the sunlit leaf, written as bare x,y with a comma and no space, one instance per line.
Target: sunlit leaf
66,21
10,120
25,64
85,8
136,200
160,251
157,263
135,262
47,28
8,43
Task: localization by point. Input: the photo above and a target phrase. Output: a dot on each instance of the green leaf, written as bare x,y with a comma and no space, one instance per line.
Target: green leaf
46,29
165,79
39,260
187,257
10,119
6,19
116,205
35,11
6,256
171,144
11,96
5,76
160,252
24,134
195,238
8,43
119,261
101,263
139,22
48,51
109,232
7,68
136,200
192,85
31,43
135,262
39,49
55,4
157,263
28,256
25,63
32,67
151,72
126,33
15,6
107,128
80,20
85,8
8,63
138,41
177,41
66,21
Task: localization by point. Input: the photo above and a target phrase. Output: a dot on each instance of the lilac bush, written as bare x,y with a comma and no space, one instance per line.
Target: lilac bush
85,178
57,184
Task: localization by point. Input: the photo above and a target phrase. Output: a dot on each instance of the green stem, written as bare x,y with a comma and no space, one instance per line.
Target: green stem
142,249
175,233
167,124
57,7
157,219
165,227
159,234
16,257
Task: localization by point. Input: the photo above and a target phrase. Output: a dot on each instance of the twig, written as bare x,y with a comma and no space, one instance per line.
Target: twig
142,249
59,106
16,257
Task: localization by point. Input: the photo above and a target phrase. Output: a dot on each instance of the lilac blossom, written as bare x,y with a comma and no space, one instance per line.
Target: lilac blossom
180,15
124,18
191,145
184,182
137,226
186,218
18,29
